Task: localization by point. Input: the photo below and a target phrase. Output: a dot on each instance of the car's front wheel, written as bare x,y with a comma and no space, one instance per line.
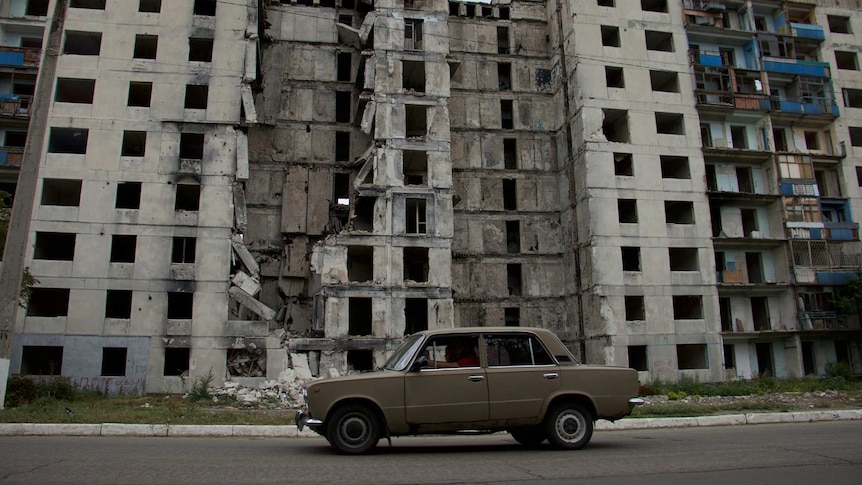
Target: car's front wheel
569,426
353,429
529,437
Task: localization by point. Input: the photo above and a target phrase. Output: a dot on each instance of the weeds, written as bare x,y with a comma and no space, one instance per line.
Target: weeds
201,387
839,379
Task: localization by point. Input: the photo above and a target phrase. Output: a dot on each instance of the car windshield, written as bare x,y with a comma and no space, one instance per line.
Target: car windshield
401,358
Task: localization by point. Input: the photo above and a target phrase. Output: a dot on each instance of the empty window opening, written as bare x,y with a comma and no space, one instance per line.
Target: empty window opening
118,304
417,216
343,105
54,246
342,146
360,263
183,250
37,8
512,316
150,6
360,360
745,180
48,302
765,364
363,216
140,94
413,34
725,313
624,165
15,139
507,114
605,3
123,248
627,209
654,5
855,136
504,76
200,49
416,121
205,7
415,166
41,360
839,24
89,4
83,43
687,307
31,42
61,192
192,146
197,96
706,135
760,313
180,305
341,188
188,197
359,320
614,77
510,153
673,167
68,140
513,237
413,76
683,259
635,310
739,137
415,315
749,222
510,194
808,367
346,19
631,258
134,143
669,124
638,357
504,13
145,46
780,139
664,81
503,40
659,41
812,140
679,212
416,264
846,60
754,267
513,279
615,125
852,97
692,356
128,195
113,361
75,90
610,36
859,176
177,361
344,68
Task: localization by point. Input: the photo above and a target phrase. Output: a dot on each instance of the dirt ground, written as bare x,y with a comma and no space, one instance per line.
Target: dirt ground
797,401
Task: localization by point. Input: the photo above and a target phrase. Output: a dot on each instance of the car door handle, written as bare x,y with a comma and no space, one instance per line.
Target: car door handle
476,378
551,375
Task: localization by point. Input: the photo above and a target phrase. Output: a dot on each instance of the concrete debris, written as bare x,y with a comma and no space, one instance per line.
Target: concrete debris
245,256
247,362
251,303
284,393
246,283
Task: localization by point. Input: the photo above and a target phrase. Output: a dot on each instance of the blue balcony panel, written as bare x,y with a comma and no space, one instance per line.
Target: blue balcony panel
808,31
797,68
836,234
710,60
11,58
3,158
834,278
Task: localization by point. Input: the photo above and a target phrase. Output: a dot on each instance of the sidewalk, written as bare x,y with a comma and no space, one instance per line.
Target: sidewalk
290,431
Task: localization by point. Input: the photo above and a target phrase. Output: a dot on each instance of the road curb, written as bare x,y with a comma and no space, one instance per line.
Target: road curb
730,420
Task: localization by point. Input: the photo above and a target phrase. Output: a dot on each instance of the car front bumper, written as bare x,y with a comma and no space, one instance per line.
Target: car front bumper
302,420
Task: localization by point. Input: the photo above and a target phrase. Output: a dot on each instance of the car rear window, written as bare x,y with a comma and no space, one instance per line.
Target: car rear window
510,350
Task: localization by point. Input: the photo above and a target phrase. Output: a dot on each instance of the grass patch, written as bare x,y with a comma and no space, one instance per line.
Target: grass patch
684,410
758,386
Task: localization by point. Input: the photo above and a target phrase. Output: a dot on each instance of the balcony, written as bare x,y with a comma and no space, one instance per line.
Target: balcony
825,320
796,68
11,156
803,31
20,56
791,109
15,106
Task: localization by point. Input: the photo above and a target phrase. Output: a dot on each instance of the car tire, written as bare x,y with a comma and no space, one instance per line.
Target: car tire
569,426
353,429
529,437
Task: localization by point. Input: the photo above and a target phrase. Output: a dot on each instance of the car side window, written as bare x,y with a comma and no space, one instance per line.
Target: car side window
452,351
509,350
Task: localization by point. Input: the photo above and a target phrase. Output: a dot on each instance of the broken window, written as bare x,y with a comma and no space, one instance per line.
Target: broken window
48,302
145,46
504,13
41,360
507,114
654,5
360,359
615,125
54,246
610,36
683,259
760,313
691,356
416,264
673,167
855,136
627,210
123,248
360,263
738,137
503,40
344,66
812,140
631,258
413,76
839,24
140,94
180,305
724,310
730,358
363,216
416,121
635,308
687,307
504,76
75,90
197,96
624,165
61,192
183,250
706,135
359,320
15,139
413,34
118,304
614,77
659,41
605,3
513,279
513,236
780,139
83,43
346,19
417,216
177,361
415,167
852,97
512,316
638,357
200,49
150,6
510,194
89,4
113,361
37,8
192,146
188,197
134,143
415,315
68,140
342,146
343,106
679,212
205,7
846,60
128,195
341,188
510,153
664,81
669,123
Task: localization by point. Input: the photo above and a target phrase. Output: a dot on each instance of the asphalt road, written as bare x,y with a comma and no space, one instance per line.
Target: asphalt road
810,453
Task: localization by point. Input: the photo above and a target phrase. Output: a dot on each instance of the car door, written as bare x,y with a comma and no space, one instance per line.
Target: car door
521,374
453,394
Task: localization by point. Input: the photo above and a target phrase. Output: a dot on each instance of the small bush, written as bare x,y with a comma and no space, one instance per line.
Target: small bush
20,390
200,389
59,389
839,369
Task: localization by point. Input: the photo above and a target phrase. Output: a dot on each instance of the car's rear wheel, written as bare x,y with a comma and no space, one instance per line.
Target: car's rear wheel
569,426
353,429
530,437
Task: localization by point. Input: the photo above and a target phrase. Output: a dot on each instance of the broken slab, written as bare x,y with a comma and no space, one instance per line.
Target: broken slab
245,256
300,366
251,303
247,283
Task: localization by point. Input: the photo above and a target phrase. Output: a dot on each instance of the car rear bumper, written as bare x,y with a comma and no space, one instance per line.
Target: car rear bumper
636,401
303,420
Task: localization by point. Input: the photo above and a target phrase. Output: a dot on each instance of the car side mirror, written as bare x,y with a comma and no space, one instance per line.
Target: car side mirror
421,362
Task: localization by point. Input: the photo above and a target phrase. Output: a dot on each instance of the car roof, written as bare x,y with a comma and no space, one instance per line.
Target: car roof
467,330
